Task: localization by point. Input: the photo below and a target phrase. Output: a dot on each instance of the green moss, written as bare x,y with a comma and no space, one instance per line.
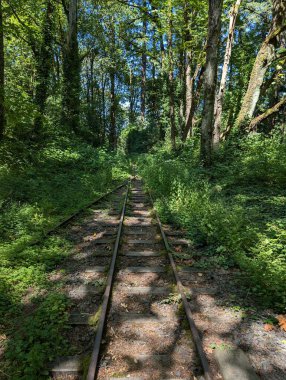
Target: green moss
93,320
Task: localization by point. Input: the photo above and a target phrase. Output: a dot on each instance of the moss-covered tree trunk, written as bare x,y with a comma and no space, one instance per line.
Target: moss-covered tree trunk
71,72
112,132
171,76
44,66
192,98
144,64
113,101
188,71
2,79
210,79
227,55
264,58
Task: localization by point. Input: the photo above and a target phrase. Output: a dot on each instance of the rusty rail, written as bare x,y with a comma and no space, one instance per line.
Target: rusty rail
195,333
93,366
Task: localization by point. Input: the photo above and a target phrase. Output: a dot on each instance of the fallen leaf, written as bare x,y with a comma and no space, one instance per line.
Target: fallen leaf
268,327
282,322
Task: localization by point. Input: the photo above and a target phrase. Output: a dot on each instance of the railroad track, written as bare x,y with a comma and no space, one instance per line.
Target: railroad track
144,325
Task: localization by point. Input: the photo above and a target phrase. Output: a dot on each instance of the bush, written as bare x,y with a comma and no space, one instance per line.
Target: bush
229,209
266,266
40,337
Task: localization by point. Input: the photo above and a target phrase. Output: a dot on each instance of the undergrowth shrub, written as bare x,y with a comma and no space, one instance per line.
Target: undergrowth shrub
38,339
266,266
208,219
232,209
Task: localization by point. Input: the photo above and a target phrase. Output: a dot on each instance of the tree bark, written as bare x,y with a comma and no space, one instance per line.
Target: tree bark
113,105
214,28
44,66
189,79
71,72
103,133
264,58
189,91
144,66
112,132
220,95
132,117
171,77
192,99
2,77
254,122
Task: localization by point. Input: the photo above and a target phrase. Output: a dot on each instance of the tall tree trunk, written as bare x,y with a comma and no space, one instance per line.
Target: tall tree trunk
155,109
171,77
131,98
214,28
227,55
103,134
112,132
189,94
44,66
2,78
192,99
263,60
144,65
113,104
71,72
189,83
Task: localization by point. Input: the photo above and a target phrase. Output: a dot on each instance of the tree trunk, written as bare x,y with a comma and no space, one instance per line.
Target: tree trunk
144,66
44,66
214,28
113,104
189,79
2,78
71,72
191,100
264,58
112,132
132,117
189,93
171,78
103,134
220,95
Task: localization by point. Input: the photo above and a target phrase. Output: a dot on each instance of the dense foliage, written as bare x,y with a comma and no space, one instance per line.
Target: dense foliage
39,189
235,213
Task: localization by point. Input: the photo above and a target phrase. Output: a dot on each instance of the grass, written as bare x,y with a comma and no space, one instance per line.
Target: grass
39,189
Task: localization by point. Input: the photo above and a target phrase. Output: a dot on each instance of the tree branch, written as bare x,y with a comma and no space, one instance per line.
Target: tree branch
254,122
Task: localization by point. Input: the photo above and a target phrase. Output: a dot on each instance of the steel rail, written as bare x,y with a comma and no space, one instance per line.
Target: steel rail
195,333
93,366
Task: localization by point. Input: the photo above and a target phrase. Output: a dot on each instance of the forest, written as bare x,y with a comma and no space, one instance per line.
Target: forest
188,94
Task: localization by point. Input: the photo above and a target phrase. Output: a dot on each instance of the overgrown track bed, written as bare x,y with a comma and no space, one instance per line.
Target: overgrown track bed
57,281
147,335
83,277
